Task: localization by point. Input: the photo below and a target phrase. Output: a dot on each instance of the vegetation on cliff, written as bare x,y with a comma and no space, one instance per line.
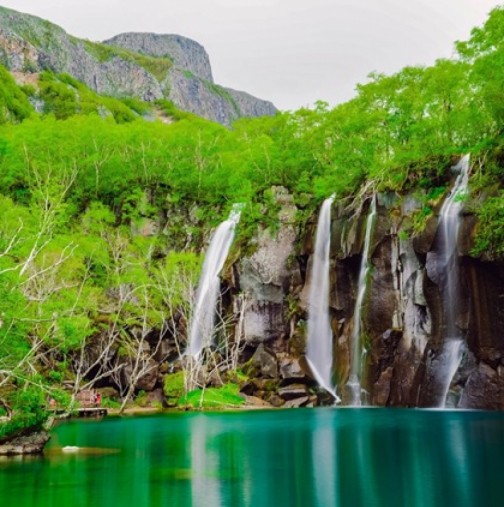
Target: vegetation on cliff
105,209
144,66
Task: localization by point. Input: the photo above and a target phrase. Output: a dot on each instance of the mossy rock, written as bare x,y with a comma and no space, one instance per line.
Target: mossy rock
174,387
237,377
226,396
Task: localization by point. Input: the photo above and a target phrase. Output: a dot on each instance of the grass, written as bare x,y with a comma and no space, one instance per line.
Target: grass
158,67
213,397
168,108
222,92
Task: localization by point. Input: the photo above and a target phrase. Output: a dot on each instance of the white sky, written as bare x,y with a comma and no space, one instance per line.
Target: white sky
292,52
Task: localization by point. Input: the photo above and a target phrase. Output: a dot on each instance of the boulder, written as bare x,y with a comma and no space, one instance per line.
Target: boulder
293,391
153,398
110,393
297,402
291,369
483,390
145,383
255,402
265,362
32,443
276,401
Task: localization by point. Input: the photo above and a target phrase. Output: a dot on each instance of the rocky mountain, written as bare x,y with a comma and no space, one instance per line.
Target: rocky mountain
143,65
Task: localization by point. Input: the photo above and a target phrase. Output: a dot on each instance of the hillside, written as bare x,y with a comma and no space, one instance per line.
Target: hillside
148,67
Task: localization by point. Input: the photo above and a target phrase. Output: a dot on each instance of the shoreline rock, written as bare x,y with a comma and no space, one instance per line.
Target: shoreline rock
32,443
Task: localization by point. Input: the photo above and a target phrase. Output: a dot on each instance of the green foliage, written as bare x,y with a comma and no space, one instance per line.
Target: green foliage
29,413
226,396
168,108
59,98
174,387
65,97
102,52
237,376
14,104
225,94
109,403
136,105
157,66
490,236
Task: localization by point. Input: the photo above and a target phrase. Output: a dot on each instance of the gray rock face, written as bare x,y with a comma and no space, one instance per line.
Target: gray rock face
266,362
402,318
266,277
30,44
250,106
484,389
117,68
185,53
146,382
201,97
27,444
291,369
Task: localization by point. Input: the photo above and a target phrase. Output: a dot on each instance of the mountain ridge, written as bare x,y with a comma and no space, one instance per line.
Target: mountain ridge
147,66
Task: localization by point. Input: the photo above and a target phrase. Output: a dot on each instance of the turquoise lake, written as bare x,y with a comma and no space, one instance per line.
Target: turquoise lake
303,457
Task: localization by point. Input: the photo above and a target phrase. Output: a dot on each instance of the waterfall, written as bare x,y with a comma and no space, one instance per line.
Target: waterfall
203,319
353,384
319,353
447,256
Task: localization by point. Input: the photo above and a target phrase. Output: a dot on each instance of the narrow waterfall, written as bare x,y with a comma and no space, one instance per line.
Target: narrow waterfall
201,328
449,224
319,353
354,385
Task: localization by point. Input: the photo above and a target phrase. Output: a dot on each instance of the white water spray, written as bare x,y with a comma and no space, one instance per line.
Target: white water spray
201,328
319,353
358,353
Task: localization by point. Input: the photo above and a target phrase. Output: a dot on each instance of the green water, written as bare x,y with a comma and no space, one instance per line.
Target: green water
322,457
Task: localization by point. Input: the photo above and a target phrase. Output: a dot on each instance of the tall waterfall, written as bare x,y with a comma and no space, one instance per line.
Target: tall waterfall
319,353
202,324
354,385
447,256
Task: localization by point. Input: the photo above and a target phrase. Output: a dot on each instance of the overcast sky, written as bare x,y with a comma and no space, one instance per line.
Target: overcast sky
292,52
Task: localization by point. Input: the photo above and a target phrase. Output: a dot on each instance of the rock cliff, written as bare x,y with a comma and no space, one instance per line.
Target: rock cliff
403,315
146,66
264,307
185,53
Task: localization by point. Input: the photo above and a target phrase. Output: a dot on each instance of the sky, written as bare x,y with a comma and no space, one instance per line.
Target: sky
292,52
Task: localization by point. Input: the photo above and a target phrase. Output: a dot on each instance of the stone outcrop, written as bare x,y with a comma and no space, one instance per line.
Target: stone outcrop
32,443
184,53
268,276
143,65
403,315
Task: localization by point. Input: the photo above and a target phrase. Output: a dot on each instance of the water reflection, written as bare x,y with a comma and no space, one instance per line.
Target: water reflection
331,457
325,473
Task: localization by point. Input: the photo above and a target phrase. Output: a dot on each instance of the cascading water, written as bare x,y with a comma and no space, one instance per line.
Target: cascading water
354,385
319,353
202,324
447,257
